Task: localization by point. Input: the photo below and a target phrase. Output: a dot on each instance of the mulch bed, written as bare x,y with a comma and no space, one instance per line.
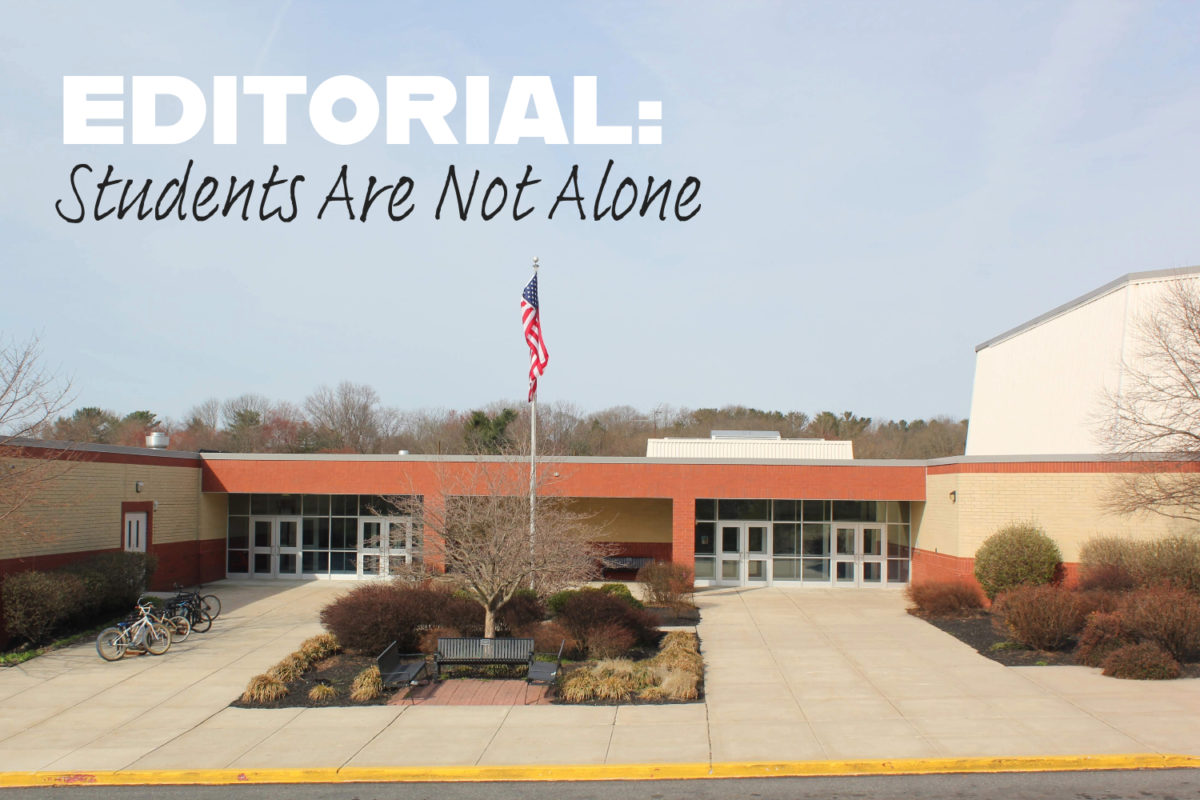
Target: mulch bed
977,631
339,671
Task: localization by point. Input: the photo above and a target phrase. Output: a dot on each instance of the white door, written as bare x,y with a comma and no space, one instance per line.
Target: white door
262,547
135,532
287,547
744,555
384,543
858,554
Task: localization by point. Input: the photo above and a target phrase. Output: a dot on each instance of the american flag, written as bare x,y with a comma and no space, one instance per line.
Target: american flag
532,320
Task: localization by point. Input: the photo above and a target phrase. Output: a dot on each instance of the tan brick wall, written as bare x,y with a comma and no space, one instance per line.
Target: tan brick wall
629,519
935,522
80,508
214,515
1069,507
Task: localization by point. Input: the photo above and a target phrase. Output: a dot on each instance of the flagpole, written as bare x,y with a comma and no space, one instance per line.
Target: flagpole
532,473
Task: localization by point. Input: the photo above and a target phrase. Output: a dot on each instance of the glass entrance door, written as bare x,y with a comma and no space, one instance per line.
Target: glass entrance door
275,547
262,547
288,548
384,545
744,556
858,556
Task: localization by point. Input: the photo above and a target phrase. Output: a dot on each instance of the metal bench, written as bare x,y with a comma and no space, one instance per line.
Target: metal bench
395,671
483,651
546,671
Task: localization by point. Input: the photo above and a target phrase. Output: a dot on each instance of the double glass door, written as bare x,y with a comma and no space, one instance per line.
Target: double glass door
859,558
275,547
742,554
384,545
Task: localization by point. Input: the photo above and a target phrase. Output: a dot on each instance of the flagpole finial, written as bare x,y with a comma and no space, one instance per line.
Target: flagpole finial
535,263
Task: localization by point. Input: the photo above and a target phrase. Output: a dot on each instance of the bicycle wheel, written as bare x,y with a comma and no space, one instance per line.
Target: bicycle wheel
212,605
180,627
201,622
158,639
111,644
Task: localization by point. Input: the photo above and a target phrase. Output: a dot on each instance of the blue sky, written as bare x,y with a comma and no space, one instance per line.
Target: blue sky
883,187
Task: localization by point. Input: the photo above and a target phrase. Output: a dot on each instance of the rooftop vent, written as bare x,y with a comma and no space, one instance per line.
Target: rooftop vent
157,440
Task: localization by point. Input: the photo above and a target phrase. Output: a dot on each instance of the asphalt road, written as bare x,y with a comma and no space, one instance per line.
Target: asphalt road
1135,785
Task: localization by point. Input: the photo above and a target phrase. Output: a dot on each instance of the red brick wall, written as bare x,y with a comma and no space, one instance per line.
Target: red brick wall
930,566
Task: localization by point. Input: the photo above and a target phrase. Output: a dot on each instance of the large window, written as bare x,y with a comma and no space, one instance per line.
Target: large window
801,531
329,528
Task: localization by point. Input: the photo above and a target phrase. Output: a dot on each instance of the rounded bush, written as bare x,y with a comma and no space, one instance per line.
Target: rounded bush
1020,554
1165,615
36,604
944,598
370,617
1144,661
520,611
1041,617
1102,634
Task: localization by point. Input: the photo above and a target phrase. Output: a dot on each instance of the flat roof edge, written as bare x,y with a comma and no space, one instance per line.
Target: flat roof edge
363,457
1052,457
89,447
1111,286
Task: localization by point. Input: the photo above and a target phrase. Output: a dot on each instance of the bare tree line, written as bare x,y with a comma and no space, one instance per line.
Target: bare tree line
351,418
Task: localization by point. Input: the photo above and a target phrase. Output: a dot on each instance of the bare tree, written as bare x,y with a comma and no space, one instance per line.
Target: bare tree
1155,412
30,397
347,417
481,534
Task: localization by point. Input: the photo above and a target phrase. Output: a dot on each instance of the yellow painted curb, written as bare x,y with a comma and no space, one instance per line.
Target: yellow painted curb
602,772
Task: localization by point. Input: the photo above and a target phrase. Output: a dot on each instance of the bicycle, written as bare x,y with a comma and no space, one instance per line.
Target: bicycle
140,634
193,607
177,623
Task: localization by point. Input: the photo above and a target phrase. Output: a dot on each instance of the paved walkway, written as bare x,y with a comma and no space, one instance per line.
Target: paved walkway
792,675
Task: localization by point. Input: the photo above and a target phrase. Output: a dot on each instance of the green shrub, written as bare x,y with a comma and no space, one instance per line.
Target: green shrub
667,584
1169,559
370,617
1041,617
36,604
1166,615
944,598
622,591
549,636
1104,563
558,601
1144,661
522,610
609,640
1110,562
1020,554
457,611
113,581
591,612
1103,633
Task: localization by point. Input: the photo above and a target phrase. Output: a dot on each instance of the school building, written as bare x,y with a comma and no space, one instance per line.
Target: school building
740,508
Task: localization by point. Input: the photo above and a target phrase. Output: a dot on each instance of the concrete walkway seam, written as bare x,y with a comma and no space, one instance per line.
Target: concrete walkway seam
602,772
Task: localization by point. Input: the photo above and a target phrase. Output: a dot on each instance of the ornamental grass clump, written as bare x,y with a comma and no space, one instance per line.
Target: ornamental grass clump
1020,554
320,647
322,693
264,689
367,685
291,668
674,674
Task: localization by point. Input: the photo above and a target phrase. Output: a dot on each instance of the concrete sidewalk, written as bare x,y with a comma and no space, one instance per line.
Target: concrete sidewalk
791,675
